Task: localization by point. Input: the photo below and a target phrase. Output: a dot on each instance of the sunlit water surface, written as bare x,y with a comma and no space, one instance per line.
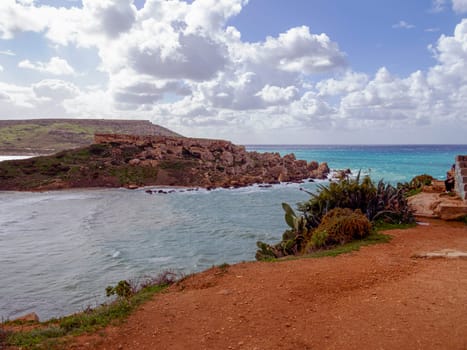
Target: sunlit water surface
59,250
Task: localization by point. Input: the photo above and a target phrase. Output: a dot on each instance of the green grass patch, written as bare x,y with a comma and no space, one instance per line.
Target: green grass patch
376,237
134,174
55,333
384,226
413,192
373,238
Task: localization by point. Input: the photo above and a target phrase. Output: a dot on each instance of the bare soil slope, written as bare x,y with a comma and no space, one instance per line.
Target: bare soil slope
378,298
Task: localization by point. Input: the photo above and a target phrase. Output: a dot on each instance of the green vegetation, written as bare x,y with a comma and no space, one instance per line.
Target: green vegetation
96,165
339,226
56,333
336,214
47,136
122,290
415,185
373,238
224,267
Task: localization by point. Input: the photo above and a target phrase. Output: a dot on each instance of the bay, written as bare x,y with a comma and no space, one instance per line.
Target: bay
59,250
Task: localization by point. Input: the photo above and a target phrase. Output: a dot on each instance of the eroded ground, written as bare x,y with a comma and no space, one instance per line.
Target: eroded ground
381,297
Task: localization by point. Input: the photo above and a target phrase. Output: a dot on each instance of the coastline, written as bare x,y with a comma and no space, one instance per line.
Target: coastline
138,161
251,298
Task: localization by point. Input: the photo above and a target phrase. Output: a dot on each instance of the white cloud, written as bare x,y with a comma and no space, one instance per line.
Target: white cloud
349,82
1,68
111,17
459,6
451,53
7,53
403,25
18,97
55,90
56,66
179,64
295,51
18,17
276,95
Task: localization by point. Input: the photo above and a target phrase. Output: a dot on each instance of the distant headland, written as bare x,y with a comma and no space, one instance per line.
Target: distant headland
48,136
118,160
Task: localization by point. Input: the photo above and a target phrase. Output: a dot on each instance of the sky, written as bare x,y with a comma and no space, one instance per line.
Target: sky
250,71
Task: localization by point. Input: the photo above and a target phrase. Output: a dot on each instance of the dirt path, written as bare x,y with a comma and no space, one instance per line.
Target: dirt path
378,298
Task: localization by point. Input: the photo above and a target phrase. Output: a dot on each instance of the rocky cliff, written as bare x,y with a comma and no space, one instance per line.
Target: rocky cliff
215,163
128,160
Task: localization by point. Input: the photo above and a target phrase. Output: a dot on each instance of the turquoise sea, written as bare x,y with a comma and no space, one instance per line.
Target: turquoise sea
393,163
59,250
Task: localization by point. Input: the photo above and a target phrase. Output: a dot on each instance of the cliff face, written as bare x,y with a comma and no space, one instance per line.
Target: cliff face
127,160
214,163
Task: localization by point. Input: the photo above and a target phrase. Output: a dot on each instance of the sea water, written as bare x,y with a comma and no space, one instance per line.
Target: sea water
59,250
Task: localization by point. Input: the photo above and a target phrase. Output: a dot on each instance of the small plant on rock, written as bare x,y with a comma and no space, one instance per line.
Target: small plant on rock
122,290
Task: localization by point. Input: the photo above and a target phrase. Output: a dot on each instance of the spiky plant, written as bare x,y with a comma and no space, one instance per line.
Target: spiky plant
380,202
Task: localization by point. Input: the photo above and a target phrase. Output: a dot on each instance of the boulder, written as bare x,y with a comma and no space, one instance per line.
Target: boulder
227,158
31,317
313,165
450,212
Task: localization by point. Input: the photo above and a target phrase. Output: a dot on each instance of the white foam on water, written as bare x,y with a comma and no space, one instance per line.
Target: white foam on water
13,157
160,259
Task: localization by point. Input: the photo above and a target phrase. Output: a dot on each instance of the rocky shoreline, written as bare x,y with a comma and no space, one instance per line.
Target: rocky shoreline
132,161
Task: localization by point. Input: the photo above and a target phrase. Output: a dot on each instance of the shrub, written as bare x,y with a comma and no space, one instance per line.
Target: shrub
421,180
123,290
318,239
416,184
366,202
339,226
377,202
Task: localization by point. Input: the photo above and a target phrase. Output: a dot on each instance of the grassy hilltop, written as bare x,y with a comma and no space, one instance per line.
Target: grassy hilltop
46,136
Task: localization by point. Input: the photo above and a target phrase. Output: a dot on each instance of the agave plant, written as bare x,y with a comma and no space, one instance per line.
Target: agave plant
380,202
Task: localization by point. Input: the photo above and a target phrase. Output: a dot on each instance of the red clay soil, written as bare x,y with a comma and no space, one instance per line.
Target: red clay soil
380,297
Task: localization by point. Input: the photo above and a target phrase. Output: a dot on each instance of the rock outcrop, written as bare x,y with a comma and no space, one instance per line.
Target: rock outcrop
438,205
128,160
31,317
212,163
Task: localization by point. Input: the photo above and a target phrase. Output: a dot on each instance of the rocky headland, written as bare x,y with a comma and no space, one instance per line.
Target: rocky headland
116,160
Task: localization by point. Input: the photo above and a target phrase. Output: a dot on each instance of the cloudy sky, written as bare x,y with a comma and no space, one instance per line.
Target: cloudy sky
257,71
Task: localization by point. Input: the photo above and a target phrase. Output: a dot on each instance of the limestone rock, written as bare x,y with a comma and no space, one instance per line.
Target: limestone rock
451,212
31,317
207,163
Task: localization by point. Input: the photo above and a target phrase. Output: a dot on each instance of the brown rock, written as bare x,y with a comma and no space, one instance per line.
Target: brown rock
313,165
227,158
32,317
439,205
451,212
